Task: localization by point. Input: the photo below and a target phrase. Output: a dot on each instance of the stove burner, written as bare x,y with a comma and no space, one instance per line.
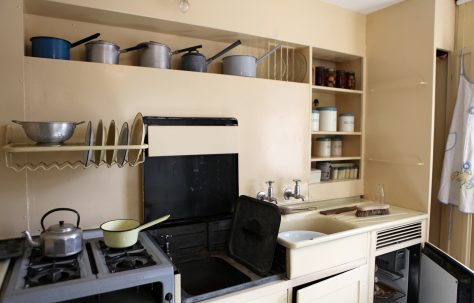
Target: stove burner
123,259
53,271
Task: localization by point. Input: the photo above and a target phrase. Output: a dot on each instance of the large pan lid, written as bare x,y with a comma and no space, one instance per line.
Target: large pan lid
254,233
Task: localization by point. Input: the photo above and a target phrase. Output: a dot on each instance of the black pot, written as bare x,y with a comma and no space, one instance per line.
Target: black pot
194,61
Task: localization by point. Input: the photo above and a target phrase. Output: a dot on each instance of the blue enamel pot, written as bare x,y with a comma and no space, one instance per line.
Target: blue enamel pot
55,48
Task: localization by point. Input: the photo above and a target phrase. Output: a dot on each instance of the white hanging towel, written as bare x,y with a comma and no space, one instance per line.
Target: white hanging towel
457,178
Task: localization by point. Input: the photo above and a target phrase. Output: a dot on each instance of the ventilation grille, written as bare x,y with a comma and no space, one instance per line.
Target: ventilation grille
398,235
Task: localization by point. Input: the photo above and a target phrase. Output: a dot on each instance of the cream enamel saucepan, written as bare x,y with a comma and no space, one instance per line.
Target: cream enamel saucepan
124,232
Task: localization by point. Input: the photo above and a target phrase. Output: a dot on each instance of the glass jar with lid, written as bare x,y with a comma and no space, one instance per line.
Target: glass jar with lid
330,77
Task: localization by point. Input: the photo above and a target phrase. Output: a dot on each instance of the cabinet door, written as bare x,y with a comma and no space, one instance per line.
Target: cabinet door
348,287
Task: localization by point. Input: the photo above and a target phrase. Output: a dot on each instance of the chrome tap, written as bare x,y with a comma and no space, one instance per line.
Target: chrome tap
288,193
269,196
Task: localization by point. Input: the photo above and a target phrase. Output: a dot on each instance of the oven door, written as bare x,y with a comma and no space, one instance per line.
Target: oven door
443,279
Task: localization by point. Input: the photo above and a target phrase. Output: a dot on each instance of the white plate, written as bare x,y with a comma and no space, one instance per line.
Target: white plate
89,140
122,140
137,136
111,141
294,236
99,141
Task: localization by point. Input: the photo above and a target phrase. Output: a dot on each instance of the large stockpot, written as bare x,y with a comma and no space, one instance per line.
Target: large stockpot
59,240
106,52
155,54
244,65
124,232
55,48
197,62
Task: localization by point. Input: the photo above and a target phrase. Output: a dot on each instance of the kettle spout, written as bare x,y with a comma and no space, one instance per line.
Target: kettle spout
30,240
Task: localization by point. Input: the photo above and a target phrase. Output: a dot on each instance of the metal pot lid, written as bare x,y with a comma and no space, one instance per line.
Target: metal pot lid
154,43
102,42
61,228
194,53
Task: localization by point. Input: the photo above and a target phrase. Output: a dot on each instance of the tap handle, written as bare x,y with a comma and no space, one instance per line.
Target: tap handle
270,183
166,237
297,181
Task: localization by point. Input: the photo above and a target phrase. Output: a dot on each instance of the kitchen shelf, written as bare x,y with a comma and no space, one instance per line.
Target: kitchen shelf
317,159
327,89
337,133
334,181
46,157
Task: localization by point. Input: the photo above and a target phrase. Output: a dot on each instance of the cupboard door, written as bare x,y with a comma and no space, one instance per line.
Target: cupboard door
400,103
348,287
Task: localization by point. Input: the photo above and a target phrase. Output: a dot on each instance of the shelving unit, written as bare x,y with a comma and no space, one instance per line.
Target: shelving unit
346,101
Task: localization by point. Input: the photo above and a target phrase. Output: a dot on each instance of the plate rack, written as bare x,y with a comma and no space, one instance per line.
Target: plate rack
14,149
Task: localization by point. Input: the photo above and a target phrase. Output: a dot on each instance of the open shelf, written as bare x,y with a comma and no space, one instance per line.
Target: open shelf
336,133
319,159
335,90
334,181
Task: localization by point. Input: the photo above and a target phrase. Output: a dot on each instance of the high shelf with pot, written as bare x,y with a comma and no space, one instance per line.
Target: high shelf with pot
337,90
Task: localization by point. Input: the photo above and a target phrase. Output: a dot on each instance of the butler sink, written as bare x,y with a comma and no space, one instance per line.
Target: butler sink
318,223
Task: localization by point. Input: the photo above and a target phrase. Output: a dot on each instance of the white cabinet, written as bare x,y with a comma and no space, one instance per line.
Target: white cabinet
348,287
274,293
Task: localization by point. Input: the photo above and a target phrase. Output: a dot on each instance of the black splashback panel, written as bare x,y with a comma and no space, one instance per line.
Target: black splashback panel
190,187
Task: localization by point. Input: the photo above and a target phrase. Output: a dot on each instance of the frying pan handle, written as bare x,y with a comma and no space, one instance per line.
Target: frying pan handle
85,40
139,46
151,223
269,53
225,50
189,49
59,209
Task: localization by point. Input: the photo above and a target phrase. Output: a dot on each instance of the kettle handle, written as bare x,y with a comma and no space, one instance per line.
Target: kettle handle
59,209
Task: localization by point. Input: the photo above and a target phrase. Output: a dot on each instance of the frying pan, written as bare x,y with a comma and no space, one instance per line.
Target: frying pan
124,232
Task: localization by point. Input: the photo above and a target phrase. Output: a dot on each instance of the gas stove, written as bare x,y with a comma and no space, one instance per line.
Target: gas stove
97,270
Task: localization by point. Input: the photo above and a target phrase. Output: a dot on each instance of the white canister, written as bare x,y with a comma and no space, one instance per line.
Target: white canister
323,147
346,122
315,120
328,118
336,147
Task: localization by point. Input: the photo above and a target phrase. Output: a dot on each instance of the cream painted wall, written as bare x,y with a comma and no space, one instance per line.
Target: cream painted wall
273,116
308,22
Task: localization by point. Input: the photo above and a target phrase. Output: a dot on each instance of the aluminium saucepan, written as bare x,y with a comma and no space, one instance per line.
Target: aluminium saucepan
244,65
124,232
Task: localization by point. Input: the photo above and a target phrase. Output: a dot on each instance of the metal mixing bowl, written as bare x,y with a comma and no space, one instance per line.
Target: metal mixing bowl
48,132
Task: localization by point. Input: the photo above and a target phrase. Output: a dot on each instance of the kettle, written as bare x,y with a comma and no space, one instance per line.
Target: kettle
59,240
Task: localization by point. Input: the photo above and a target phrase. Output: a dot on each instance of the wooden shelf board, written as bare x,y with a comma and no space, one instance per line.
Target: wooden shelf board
317,159
337,133
336,90
334,181
329,55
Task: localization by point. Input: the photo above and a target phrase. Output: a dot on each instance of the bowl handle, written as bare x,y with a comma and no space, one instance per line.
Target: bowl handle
17,122
80,122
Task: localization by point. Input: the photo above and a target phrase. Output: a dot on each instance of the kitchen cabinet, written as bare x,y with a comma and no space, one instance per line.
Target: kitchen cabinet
274,293
347,287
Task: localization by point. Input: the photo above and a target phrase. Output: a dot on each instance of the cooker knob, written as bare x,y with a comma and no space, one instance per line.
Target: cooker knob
168,297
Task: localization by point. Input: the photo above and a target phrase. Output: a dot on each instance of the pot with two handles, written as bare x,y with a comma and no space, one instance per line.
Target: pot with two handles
197,62
244,65
59,240
55,48
158,55
123,233
106,52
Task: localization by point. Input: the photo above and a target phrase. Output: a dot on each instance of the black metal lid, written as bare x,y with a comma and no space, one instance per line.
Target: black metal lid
254,233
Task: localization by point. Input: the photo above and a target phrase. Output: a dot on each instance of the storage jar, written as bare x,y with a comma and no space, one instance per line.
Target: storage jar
330,77
336,147
351,80
320,75
323,147
315,176
325,168
346,122
341,79
315,120
327,118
